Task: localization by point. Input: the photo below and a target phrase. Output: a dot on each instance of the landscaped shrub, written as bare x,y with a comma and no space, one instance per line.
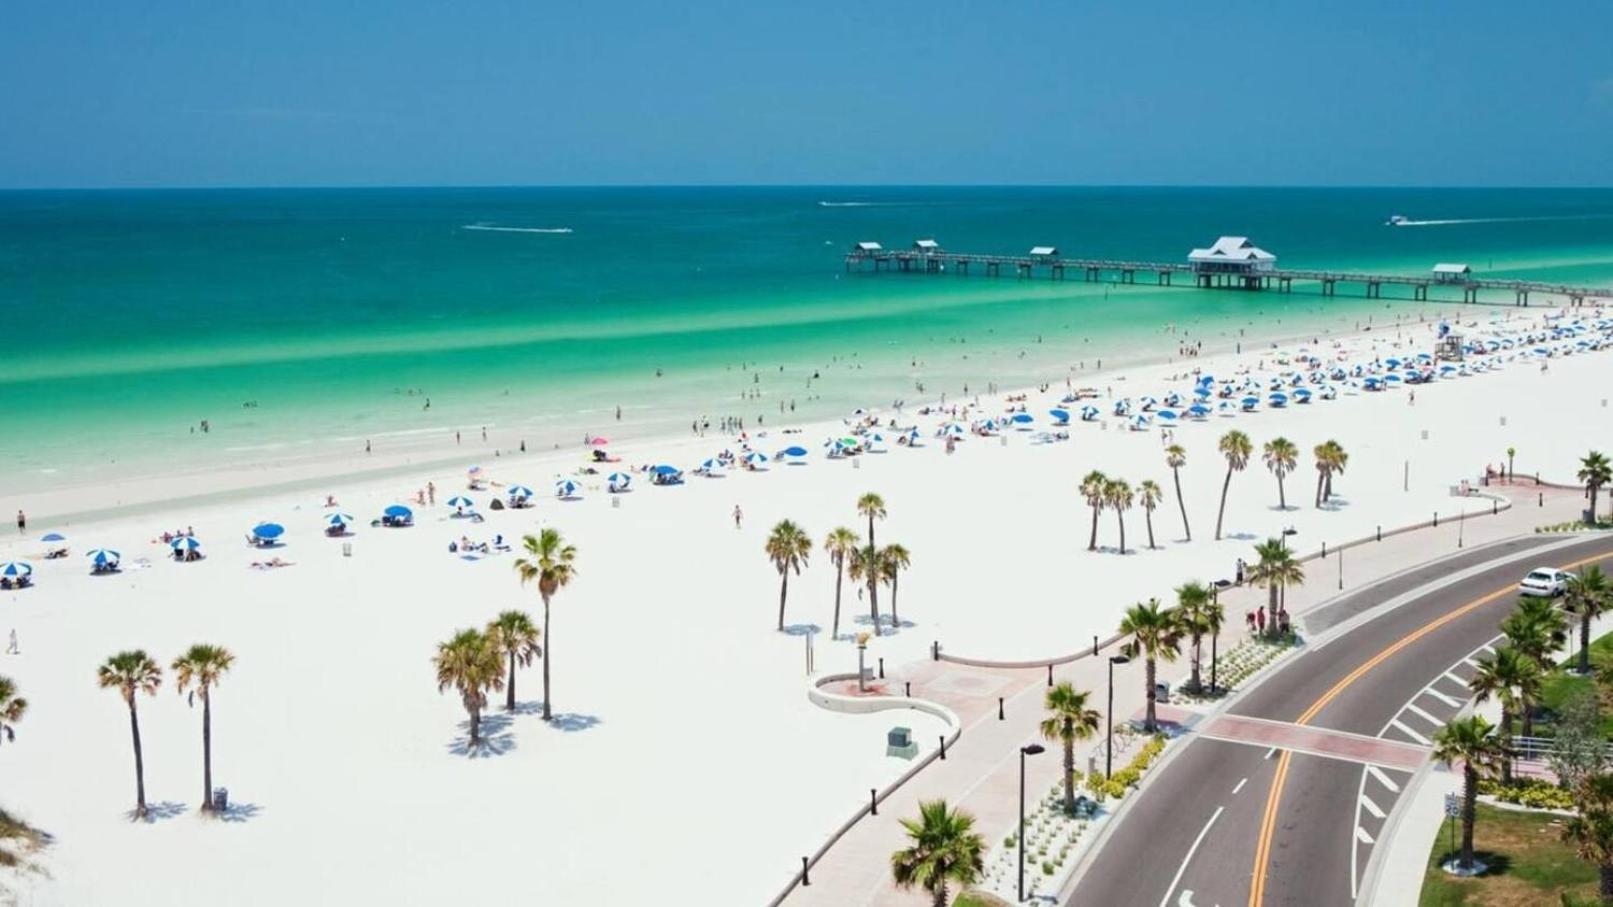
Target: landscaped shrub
1533,793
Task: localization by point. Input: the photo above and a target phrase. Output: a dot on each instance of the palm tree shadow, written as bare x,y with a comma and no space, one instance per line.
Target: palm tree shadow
158,812
1334,504
1241,536
533,707
496,738
572,722
802,630
239,812
1495,864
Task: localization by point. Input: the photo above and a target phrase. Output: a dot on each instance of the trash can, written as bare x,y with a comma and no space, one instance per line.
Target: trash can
221,799
347,549
1162,692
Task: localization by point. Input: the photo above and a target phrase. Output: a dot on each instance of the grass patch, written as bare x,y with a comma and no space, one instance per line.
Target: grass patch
1561,685
1529,863
978,899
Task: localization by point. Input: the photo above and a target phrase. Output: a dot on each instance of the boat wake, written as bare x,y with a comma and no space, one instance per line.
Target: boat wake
1443,222
857,204
493,228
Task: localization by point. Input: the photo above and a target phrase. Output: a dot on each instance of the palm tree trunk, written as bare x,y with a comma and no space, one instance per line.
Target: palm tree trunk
895,621
475,723
1092,543
1282,497
1606,885
1150,725
1221,514
1177,478
1121,519
783,590
207,751
840,570
1585,639
1593,505
1213,641
509,688
1069,767
941,894
1470,785
1320,478
1327,490
873,599
1148,518
548,652
1506,745
1271,607
139,763
871,530
1196,680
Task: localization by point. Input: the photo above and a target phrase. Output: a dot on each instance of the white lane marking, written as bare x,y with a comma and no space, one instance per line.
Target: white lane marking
1355,819
1383,779
1400,726
1186,900
1454,679
1271,752
1488,648
1415,710
1453,703
1371,807
1362,836
1165,901
1471,663
1240,785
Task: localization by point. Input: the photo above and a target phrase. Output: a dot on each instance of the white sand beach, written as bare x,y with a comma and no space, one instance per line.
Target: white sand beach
685,755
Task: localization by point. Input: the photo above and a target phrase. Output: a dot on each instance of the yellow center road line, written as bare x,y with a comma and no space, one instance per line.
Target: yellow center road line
1268,821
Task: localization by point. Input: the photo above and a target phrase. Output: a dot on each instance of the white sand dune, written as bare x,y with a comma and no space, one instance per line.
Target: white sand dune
684,739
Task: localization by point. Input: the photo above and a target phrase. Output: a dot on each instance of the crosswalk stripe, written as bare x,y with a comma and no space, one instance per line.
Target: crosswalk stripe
1453,703
1416,710
1362,836
1400,726
1454,679
1371,807
1383,779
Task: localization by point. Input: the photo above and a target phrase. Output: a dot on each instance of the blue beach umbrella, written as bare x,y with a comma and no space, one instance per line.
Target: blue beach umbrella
665,470
268,530
103,556
1060,416
185,543
1122,407
339,519
1024,418
53,537
1278,399
1199,409
15,569
1392,379
1173,399
1167,415
519,491
617,482
914,438
1302,395
398,512
874,443
756,458
460,502
1088,413
712,465
566,488
1249,402
1140,421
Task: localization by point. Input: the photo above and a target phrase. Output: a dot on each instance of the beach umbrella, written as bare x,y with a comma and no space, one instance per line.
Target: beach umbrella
268,531
1227,407
1199,409
712,465
597,442
1249,402
795,453
1060,416
1394,379
474,472
1068,399
665,470
1278,399
874,444
1149,403
913,437
1302,395
1205,380
954,428
756,458
1122,407
1140,421
339,520
1024,418
398,512
185,543
53,537
617,482
518,491
103,556
1088,413
566,488
460,502
16,569
1167,415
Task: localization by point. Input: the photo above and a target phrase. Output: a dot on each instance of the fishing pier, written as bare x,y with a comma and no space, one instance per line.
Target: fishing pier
1232,262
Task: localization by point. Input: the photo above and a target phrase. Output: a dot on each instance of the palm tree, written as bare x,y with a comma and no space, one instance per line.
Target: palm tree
1092,489
872,506
1595,472
1236,447
1192,606
945,848
12,708
1592,830
1337,459
1155,636
470,664
893,560
1176,458
513,635
1536,629
1277,569
1118,496
867,567
1513,679
1148,494
203,666
1215,615
1470,741
1280,456
788,547
839,544
1587,597
1068,720
552,564
129,673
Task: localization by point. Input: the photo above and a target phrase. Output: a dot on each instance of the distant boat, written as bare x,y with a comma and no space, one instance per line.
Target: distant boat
1397,220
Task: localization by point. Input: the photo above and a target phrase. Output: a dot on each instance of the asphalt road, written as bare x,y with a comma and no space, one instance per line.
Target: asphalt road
1192,835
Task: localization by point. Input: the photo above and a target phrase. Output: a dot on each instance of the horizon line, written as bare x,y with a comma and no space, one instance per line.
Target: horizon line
767,185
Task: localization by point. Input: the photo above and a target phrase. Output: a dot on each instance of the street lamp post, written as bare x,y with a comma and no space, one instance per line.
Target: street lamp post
862,646
1109,717
1032,749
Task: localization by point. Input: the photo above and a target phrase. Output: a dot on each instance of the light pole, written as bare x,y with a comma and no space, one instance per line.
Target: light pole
1032,749
862,675
1109,717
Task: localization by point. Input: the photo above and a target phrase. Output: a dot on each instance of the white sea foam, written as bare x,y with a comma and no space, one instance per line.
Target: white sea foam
1497,220
494,228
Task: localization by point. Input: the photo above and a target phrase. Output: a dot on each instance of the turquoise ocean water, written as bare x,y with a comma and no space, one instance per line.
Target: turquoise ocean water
133,315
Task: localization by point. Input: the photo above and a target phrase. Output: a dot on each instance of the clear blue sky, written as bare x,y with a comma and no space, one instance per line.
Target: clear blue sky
365,92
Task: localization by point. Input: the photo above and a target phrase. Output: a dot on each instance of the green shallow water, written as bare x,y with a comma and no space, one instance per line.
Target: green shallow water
135,314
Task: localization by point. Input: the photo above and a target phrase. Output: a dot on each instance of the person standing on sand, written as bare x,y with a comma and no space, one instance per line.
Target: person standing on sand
22,522
431,493
13,648
738,515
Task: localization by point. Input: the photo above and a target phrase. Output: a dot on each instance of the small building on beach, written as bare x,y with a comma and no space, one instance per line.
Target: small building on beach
1044,253
1452,272
926,247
